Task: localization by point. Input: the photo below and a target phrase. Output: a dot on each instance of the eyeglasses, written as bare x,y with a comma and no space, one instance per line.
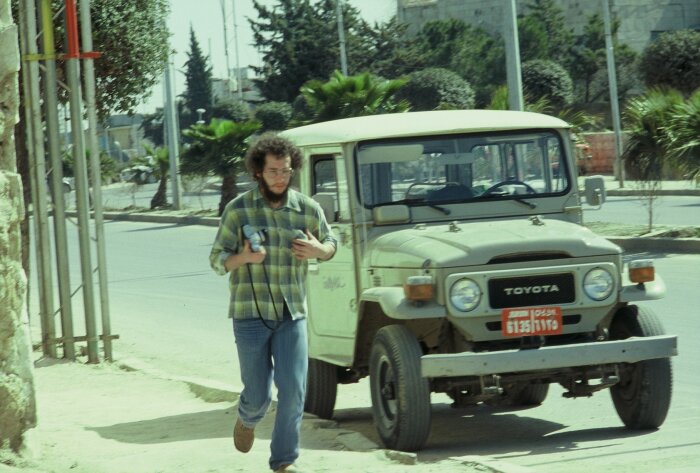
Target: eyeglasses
287,173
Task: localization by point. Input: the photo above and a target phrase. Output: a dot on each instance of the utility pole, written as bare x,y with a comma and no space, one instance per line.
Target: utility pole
54,142
37,172
239,82
170,122
223,15
341,37
81,177
614,104
89,78
515,85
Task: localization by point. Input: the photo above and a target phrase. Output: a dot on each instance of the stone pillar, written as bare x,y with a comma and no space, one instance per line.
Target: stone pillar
17,400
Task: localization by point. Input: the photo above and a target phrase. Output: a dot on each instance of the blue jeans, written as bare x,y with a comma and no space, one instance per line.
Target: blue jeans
280,354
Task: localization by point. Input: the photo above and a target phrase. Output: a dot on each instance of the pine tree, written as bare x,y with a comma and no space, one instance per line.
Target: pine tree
198,83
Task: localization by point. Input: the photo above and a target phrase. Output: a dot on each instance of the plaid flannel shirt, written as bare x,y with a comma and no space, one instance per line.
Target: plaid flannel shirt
281,277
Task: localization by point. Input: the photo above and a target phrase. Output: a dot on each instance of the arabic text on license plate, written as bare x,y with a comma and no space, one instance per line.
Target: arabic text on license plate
526,321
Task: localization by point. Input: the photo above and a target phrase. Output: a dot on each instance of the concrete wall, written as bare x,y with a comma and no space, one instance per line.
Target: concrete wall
17,401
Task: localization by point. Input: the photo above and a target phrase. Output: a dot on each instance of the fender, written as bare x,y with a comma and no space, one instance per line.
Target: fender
394,304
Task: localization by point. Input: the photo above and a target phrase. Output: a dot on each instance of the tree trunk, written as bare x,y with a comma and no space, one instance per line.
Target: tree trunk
229,190
160,199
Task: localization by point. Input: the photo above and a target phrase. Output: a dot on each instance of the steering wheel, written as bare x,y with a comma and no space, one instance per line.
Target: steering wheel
498,185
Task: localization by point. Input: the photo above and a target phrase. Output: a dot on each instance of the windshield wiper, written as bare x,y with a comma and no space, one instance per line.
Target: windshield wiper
420,201
444,210
526,203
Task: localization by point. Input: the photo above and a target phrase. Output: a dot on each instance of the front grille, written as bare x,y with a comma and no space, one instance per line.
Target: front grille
547,289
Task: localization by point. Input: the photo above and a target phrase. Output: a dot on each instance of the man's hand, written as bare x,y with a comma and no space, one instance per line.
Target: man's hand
244,257
311,248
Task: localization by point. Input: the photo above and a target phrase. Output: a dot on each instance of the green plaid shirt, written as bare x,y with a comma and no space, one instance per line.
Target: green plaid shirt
286,274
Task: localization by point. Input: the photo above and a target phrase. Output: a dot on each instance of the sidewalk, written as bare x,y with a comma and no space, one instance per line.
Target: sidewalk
103,419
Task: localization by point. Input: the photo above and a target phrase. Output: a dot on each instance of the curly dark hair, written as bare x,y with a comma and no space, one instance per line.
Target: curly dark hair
270,143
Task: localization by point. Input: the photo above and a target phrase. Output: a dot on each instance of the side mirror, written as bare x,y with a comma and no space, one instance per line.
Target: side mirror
594,188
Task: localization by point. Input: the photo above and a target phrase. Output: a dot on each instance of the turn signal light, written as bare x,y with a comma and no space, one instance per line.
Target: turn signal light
641,271
418,288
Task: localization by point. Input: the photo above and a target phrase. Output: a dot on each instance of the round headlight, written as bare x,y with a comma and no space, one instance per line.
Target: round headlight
465,295
598,284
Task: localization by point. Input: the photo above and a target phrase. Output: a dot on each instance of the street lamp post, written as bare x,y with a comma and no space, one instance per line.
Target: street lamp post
200,112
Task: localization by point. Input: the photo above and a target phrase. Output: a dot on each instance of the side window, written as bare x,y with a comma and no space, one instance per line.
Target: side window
325,186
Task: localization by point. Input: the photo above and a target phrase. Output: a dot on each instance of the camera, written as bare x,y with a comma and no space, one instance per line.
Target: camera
255,238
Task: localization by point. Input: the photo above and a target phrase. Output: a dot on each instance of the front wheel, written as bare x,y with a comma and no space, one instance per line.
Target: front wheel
642,397
400,395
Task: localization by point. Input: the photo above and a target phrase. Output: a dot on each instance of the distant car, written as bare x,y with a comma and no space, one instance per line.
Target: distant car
138,174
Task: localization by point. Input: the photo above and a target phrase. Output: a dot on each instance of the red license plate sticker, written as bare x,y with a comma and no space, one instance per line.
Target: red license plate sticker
525,321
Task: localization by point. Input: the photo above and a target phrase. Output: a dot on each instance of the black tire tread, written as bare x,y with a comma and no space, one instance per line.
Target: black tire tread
414,409
650,409
321,389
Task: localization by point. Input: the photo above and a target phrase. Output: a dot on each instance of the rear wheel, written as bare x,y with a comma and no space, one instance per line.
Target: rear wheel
321,388
642,397
400,395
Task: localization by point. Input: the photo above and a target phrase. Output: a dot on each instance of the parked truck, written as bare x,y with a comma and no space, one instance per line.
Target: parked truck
463,267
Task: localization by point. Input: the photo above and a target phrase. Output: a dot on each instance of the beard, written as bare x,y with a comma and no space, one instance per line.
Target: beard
270,195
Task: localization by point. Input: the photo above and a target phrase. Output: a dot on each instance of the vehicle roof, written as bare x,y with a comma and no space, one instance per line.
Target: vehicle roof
397,125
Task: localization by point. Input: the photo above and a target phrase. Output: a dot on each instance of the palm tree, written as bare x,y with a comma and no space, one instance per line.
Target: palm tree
646,151
161,159
218,148
353,96
646,118
683,136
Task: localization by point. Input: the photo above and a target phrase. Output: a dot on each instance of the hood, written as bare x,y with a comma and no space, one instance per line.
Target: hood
476,243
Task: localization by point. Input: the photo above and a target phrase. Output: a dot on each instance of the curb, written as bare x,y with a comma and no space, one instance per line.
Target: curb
660,192
657,244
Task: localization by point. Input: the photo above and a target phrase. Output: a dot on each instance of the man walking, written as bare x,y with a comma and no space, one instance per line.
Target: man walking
266,237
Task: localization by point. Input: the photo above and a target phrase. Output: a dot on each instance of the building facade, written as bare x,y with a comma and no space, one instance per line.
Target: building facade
641,21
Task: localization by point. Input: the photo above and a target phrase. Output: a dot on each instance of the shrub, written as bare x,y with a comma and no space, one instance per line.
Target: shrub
548,80
437,88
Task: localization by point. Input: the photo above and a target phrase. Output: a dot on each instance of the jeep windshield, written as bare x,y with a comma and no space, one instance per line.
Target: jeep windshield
435,170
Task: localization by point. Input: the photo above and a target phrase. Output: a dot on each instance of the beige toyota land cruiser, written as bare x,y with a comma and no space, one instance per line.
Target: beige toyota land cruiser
463,268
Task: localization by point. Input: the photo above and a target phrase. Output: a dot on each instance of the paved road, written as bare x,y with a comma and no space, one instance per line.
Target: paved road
169,309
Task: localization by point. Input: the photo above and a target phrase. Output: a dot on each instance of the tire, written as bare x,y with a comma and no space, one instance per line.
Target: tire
321,389
642,397
400,395
531,395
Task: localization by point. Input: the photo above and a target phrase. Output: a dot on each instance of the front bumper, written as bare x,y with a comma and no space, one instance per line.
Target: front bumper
630,350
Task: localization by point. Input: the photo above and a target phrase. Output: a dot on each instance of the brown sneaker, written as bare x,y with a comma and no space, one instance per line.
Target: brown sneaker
243,437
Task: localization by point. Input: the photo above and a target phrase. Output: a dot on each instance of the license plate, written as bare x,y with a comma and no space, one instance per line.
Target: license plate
522,322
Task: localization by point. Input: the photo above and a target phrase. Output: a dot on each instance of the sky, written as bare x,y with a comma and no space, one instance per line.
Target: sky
205,17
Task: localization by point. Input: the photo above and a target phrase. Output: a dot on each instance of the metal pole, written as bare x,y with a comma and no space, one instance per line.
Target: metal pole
170,116
515,85
223,15
341,38
89,79
37,175
614,104
59,211
239,85
81,177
